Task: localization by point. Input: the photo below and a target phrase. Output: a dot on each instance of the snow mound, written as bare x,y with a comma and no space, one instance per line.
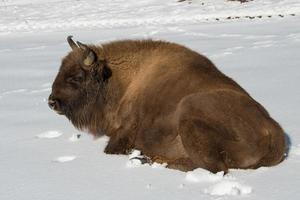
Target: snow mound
132,162
62,159
202,175
74,138
226,187
135,153
136,159
49,134
159,165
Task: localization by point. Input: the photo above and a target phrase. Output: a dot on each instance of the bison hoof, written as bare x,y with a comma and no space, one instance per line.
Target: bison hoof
143,159
118,146
115,150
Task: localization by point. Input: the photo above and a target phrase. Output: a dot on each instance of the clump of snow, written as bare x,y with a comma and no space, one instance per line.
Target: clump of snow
62,159
226,187
133,163
74,138
223,184
136,160
133,160
202,175
149,186
159,165
181,186
135,153
49,134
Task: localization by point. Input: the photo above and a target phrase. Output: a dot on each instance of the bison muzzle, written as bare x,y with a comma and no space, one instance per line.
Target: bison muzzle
168,101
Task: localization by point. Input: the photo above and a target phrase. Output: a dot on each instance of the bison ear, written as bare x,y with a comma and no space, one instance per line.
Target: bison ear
90,59
89,55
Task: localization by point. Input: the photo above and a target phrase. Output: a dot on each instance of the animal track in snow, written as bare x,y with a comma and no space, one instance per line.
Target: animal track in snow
50,134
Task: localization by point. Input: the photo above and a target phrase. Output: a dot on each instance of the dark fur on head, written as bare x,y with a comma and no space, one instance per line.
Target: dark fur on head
80,88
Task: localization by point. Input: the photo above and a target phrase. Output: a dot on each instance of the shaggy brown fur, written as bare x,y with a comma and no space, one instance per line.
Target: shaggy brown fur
169,102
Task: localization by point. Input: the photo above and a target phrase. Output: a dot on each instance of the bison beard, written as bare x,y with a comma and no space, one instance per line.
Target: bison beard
169,102
83,112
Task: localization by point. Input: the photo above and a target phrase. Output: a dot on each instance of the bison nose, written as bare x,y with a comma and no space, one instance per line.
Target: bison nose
52,104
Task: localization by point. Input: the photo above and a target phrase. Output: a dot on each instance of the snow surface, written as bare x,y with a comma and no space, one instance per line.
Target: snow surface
228,188
62,159
261,54
49,134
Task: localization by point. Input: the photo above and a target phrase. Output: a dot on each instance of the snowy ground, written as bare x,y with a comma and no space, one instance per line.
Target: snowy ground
41,156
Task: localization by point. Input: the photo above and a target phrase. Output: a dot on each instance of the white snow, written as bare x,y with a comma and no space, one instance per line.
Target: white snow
156,165
134,161
202,175
49,134
135,153
62,159
74,138
228,188
220,184
45,15
261,54
295,150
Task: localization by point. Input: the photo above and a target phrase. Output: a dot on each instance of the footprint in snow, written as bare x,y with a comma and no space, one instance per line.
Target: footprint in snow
63,159
49,134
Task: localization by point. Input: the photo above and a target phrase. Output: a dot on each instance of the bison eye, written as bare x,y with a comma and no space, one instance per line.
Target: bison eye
76,79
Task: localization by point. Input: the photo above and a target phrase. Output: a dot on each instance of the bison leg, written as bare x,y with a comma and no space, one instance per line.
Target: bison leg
118,145
226,129
183,164
198,140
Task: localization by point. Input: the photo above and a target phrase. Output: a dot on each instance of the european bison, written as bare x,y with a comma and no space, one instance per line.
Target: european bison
168,101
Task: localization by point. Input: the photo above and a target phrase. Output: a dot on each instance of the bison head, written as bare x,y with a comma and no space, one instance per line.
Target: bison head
79,86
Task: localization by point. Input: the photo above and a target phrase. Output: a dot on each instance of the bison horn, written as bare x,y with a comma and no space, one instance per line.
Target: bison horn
72,44
82,46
